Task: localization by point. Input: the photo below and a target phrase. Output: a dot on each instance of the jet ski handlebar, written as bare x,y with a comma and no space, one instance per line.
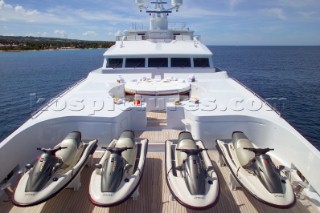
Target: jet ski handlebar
191,151
51,151
258,151
116,150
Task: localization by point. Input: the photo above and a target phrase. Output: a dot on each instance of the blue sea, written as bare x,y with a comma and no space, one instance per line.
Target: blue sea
289,74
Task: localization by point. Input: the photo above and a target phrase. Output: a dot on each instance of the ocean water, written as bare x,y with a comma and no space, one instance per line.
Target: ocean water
44,73
288,74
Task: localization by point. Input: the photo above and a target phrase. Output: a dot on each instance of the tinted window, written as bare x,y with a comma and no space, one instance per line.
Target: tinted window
158,62
115,62
201,62
180,62
135,62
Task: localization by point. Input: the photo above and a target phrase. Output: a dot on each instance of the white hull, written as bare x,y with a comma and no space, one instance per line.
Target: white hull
178,187
125,190
250,182
23,198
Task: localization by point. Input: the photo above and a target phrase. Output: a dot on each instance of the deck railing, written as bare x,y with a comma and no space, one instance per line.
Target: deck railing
53,100
155,37
258,96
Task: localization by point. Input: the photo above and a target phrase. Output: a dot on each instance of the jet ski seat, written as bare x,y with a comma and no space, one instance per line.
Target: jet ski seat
185,141
69,155
126,139
127,134
76,136
240,141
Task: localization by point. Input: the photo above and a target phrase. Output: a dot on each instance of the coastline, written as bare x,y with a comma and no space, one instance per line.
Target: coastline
58,49
22,44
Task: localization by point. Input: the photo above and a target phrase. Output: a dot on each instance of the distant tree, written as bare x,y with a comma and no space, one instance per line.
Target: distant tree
16,43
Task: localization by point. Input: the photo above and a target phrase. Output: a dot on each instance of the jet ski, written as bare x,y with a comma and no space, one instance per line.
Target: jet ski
190,174
254,170
118,174
53,170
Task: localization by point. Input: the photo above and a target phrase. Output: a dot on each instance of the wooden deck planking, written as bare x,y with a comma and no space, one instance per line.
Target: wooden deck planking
156,119
154,193
158,115
158,136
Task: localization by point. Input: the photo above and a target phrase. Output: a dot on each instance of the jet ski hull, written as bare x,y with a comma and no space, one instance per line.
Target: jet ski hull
127,186
56,183
251,183
177,184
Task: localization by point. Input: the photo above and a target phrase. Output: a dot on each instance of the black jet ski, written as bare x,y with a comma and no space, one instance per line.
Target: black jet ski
53,170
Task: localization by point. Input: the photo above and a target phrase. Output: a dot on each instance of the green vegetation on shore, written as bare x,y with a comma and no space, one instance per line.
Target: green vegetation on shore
20,43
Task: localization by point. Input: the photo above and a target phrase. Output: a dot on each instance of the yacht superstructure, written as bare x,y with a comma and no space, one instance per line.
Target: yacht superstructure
163,79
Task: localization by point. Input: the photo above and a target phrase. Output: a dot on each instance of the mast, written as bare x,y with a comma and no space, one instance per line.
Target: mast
159,14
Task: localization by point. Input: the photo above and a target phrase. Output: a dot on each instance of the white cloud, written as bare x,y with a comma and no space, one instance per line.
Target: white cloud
271,28
192,12
66,15
233,3
11,13
61,33
89,33
37,34
10,34
43,34
299,3
307,14
18,8
87,15
3,5
22,11
100,19
276,12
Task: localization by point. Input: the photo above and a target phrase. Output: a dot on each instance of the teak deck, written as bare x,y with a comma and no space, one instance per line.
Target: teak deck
154,193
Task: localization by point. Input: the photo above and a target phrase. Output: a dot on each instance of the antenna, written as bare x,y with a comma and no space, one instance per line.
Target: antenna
158,14
159,5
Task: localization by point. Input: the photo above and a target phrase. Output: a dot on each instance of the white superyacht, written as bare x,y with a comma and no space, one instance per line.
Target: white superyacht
161,85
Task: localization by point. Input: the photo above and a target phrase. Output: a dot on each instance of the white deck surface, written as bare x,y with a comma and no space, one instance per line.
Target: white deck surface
136,48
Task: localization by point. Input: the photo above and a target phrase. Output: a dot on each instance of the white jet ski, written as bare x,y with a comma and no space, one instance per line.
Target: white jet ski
119,171
53,170
255,171
190,174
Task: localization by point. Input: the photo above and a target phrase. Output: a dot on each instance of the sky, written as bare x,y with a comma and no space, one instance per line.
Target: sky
219,22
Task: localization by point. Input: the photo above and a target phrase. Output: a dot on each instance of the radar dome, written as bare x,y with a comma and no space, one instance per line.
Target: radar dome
176,3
